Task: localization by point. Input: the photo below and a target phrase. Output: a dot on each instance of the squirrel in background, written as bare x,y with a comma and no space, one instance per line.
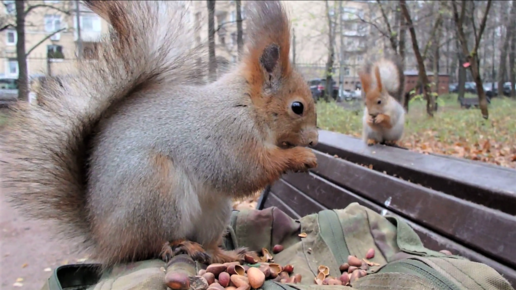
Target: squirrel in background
384,115
131,157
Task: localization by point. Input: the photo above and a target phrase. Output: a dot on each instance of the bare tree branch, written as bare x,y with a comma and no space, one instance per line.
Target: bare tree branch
220,26
432,34
459,19
43,40
374,25
32,7
478,36
472,17
7,26
392,38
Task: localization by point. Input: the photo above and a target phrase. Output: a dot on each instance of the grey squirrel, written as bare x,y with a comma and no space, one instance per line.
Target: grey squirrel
129,156
383,87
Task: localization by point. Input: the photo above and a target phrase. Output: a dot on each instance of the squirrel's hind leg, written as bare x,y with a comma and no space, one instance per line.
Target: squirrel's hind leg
218,255
192,249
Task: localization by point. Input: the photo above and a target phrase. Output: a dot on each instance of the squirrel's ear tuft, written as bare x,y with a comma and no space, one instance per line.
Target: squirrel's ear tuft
365,79
268,43
378,79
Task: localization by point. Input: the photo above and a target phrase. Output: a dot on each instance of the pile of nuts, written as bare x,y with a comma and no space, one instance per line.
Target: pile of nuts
350,271
253,274
235,276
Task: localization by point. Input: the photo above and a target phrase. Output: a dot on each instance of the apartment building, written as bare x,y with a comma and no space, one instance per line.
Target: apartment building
309,45
49,52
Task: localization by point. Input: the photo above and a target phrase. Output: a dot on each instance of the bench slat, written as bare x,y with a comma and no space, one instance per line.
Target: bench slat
473,225
478,182
302,203
273,200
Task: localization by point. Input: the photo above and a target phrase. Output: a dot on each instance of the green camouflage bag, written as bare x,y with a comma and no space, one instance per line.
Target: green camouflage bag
400,261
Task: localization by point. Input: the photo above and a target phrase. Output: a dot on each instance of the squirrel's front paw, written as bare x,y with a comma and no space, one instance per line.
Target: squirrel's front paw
379,119
369,120
303,159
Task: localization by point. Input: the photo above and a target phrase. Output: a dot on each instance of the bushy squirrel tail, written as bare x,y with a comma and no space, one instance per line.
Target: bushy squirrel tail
393,77
45,148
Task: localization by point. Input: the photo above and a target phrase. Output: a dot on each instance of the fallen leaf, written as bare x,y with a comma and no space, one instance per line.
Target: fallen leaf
19,280
17,284
47,269
24,265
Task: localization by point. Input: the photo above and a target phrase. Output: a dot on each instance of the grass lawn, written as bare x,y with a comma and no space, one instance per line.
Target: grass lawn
452,131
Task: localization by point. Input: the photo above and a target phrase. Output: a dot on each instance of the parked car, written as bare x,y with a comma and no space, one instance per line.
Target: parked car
317,87
488,89
453,88
507,88
7,83
470,87
349,95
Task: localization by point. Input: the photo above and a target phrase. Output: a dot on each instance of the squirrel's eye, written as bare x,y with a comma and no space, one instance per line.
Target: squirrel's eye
297,107
379,102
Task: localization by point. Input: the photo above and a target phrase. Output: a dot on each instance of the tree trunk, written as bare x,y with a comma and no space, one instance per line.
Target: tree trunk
212,63
401,53
435,77
512,54
512,68
502,70
23,74
461,80
436,64
341,51
328,90
420,61
240,41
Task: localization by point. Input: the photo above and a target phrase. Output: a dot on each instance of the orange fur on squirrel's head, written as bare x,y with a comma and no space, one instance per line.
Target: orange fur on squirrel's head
375,96
279,94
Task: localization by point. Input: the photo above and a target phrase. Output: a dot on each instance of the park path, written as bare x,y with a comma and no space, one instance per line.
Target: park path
28,251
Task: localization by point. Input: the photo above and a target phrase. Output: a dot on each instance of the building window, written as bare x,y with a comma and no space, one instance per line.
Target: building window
10,6
12,67
55,52
362,28
52,1
52,24
90,23
346,71
232,16
11,37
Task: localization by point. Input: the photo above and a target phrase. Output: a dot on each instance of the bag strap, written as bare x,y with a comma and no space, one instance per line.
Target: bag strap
409,242
332,234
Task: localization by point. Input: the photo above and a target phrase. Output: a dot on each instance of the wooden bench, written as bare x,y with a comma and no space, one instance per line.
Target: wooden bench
463,206
471,102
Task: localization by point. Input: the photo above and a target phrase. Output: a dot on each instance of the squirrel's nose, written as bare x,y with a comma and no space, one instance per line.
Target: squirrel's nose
313,141
373,115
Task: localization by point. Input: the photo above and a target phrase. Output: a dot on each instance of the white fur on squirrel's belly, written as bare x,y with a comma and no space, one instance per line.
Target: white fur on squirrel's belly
381,134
